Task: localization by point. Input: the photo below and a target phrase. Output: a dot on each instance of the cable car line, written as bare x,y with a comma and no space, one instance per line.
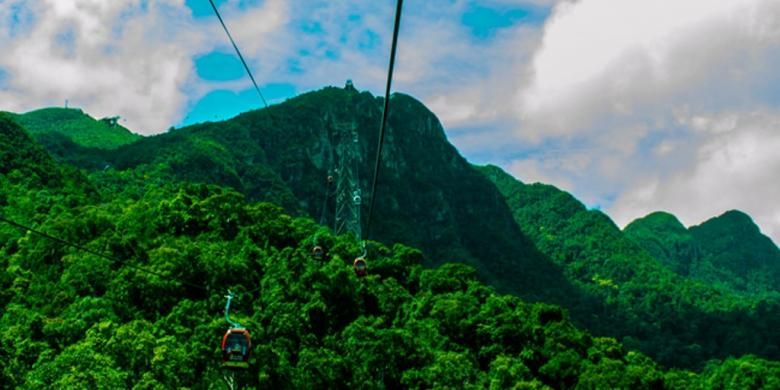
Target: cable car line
241,57
377,165
236,343
111,258
385,110
98,254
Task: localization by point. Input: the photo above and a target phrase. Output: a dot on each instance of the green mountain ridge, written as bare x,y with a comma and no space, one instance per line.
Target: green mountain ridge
72,320
727,250
54,126
25,163
676,320
429,196
675,250
534,241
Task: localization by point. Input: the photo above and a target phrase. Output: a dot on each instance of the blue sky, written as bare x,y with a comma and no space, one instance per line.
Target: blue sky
631,105
482,22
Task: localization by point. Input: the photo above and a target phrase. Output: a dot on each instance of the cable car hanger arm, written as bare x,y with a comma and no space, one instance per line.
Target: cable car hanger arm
232,323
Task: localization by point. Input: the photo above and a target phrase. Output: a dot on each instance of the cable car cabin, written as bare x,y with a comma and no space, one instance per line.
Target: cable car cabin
236,345
318,253
360,267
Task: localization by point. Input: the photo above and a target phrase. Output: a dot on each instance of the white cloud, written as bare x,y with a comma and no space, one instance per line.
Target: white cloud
538,3
122,57
640,101
735,168
669,96
468,83
624,59
533,170
258,30
134,58
110,58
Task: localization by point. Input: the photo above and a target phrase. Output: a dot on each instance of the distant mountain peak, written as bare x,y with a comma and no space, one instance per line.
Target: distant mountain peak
729,249
657,220
731,223
77,126
736,217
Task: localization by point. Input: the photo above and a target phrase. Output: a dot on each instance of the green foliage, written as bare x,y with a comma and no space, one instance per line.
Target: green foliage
747,372
743,258
666,239
679,321
77,127
75,320
19,154
727,251
429,196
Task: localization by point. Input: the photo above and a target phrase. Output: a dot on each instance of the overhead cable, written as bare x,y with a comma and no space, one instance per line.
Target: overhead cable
96,253
385,111
235,46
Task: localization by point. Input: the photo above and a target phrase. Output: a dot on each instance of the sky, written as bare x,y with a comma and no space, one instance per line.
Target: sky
633,106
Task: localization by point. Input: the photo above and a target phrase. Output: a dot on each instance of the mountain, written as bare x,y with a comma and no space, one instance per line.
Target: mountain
663,236
428,196
732,244
677,320
25,164
533,241
18,153
53,126
149,313
727,250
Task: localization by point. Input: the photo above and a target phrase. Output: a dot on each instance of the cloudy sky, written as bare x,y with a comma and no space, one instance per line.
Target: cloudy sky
631,105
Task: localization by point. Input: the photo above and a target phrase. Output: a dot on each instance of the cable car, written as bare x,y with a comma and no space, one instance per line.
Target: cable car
236,345
360,267
318,253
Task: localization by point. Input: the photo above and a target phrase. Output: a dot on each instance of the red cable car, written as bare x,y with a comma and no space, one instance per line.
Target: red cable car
236,345
360,267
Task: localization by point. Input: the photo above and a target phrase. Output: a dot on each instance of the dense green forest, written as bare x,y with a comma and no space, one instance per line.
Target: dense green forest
728,250
531,241
50,124
429,196
75,320
677,320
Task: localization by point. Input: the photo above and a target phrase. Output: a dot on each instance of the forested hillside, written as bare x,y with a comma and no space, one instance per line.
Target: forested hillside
429,196
532,241
53,125
728,250
152,318
678,321
665,238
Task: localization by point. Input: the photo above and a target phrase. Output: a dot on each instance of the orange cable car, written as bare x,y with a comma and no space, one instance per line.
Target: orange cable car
236,345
